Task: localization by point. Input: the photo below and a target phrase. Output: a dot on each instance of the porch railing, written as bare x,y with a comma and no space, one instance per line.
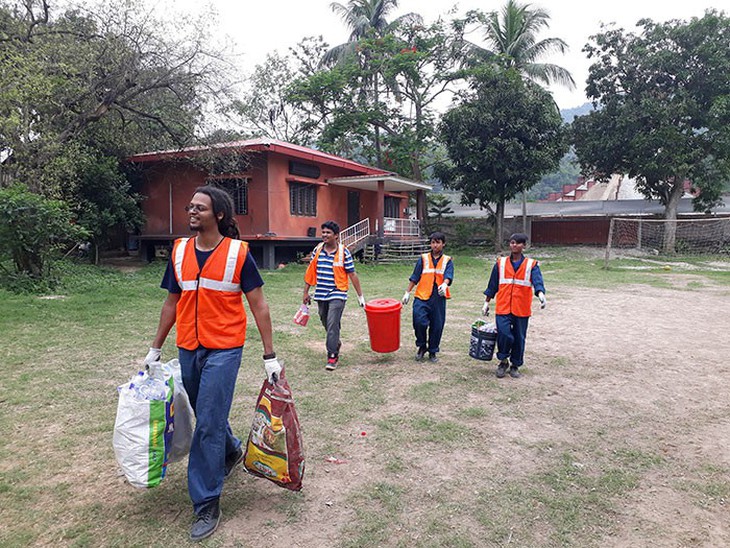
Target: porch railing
407,229
356,233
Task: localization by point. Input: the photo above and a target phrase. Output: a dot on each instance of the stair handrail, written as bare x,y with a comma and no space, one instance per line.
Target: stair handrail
356,233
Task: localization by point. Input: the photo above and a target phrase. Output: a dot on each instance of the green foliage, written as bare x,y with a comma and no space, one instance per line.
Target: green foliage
83,86
35,229
501,139
375,103
438,206
512,41
663,115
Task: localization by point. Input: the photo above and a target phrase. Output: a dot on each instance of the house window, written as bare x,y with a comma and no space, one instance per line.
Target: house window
237,187
392,207
303,199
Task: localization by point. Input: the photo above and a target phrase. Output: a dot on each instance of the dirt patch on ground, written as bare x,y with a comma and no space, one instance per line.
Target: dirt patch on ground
642,369
628,386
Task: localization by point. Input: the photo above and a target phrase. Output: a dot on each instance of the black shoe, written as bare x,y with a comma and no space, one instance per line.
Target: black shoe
514,372
233,460
501,370
332,361
432,357
206,521
420,354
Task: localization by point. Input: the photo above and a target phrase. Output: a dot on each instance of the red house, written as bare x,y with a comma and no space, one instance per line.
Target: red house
282,194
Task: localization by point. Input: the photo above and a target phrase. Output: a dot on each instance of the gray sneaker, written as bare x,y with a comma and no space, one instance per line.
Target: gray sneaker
501,369
206,522
420,355
514,372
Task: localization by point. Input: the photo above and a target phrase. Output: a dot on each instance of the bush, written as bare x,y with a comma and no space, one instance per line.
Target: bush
35,230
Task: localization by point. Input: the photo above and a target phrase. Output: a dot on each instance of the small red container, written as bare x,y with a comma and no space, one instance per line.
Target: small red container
384,324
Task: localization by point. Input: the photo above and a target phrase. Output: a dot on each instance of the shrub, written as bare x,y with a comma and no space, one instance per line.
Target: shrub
34,230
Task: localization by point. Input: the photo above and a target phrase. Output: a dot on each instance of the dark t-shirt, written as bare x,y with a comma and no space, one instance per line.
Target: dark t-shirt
250,276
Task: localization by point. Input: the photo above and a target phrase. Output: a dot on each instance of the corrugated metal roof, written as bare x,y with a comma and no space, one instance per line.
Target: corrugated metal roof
260,144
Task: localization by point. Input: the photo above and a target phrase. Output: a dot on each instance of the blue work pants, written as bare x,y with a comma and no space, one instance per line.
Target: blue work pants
209,377
511,335
429,318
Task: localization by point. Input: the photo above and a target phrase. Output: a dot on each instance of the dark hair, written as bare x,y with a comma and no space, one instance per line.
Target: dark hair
438,236
222,203
519,237
333,226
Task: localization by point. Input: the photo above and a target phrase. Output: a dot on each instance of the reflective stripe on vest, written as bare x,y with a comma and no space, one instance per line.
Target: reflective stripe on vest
514,295
210,310
338,268
429,274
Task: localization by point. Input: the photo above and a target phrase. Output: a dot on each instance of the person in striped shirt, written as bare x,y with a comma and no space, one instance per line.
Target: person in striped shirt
330,270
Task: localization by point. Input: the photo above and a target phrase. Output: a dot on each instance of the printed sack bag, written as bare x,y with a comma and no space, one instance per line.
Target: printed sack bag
143,427
184,426
274,449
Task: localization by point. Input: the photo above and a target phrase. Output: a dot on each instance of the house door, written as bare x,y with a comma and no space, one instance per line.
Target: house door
353,207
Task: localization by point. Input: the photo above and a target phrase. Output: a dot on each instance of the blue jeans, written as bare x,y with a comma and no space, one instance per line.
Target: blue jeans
429,318
209,377
511,335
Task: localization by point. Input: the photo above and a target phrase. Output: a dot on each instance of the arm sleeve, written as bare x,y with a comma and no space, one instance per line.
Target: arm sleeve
169,281
417,271
250,275
493,286
349,263
536,277
449,271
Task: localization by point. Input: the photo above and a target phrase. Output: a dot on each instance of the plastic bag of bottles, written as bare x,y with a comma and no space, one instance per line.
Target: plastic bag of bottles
184,425
483,340
302,315
144,425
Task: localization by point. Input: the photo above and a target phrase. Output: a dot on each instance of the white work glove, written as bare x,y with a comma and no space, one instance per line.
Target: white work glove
152,356
406,298
273,370
361,300
442,288
543,302
485,308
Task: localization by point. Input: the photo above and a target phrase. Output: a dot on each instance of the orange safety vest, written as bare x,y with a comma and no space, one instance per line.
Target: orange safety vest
210,311
430,274
338,268
514,295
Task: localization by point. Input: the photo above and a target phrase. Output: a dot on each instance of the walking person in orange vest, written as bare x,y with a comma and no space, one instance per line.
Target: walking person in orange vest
513,281
329,270
432,276
205,279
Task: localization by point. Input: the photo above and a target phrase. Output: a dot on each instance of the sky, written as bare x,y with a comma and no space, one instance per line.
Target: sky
260,27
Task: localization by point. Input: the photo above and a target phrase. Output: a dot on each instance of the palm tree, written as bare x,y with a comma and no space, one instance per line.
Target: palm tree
512,41
365,19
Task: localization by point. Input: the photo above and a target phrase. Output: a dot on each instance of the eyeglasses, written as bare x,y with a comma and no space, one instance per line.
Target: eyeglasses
195,207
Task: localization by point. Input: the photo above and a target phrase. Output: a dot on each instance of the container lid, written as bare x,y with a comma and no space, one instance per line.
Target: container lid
383,305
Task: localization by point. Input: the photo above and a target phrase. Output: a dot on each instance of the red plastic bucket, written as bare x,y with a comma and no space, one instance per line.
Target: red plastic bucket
384,324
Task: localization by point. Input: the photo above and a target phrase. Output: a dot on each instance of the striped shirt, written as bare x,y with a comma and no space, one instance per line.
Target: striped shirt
326,289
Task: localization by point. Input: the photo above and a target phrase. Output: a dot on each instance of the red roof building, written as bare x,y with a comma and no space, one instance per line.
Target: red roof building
282,194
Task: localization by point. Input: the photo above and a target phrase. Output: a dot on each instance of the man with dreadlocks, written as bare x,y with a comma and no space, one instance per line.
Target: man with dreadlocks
204,279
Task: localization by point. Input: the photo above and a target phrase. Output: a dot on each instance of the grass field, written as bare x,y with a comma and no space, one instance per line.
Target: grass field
617,434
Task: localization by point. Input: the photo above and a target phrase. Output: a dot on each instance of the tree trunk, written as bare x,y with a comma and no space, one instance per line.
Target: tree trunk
378,151
670,214
499,226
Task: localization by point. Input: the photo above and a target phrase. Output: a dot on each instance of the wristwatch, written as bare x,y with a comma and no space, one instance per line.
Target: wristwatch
270,356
